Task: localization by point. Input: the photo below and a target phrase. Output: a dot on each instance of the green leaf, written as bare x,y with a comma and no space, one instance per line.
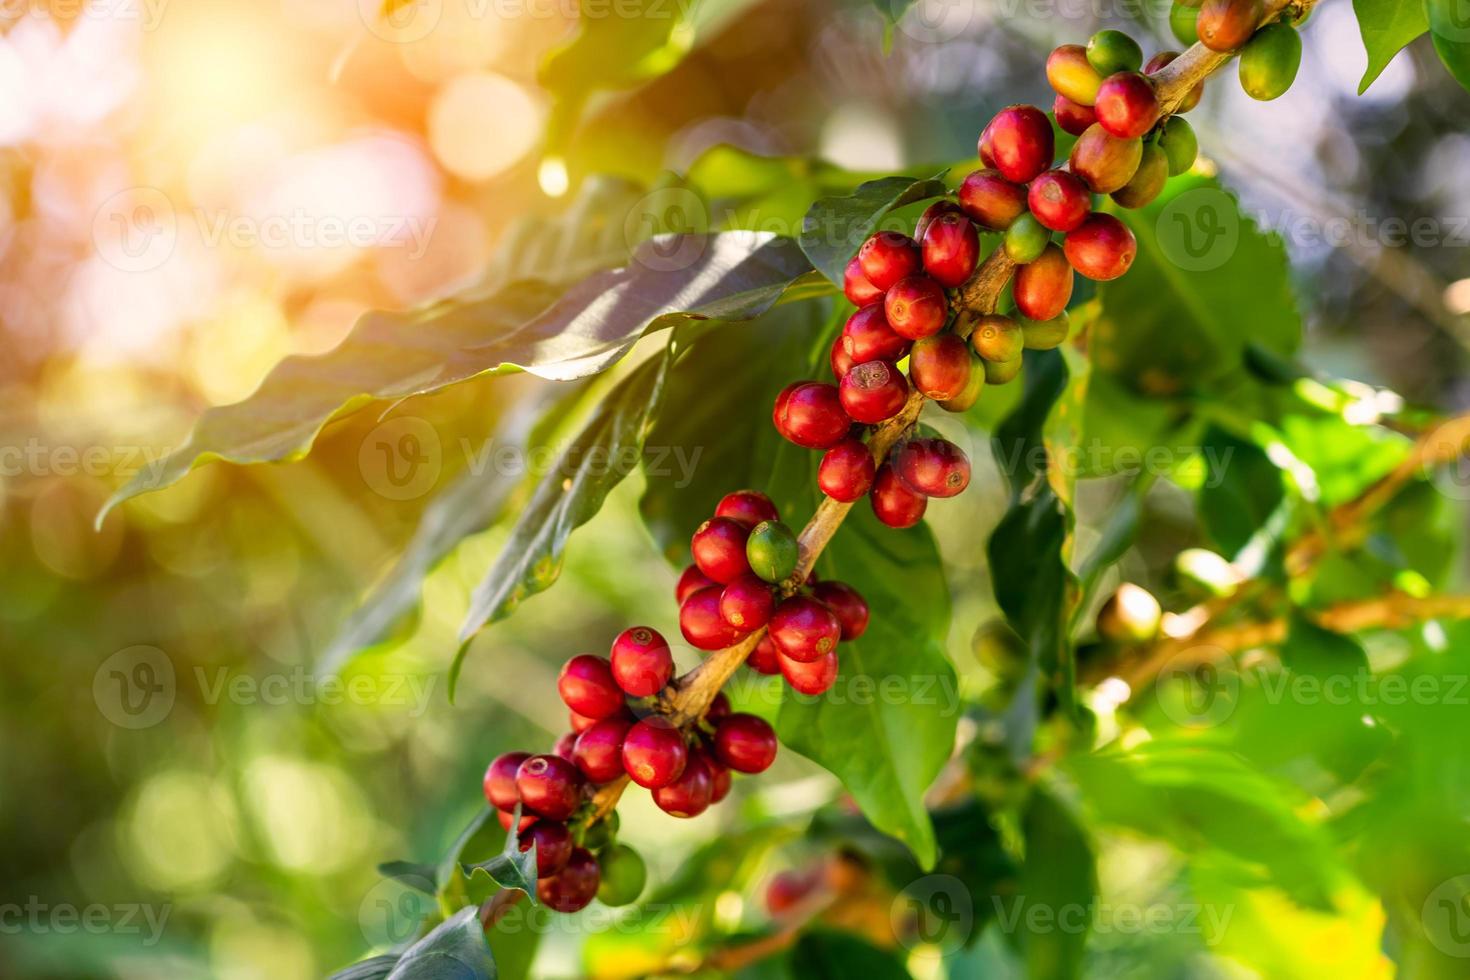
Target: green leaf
1057,892
1386,26
1449,23
512,867
1242,488
834,227
821,954
671,279
375,968
455,950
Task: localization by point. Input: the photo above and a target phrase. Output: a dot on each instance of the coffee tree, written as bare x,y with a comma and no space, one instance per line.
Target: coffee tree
1085,294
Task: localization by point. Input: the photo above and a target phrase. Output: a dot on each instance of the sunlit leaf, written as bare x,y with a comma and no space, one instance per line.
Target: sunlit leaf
1386,26
834,227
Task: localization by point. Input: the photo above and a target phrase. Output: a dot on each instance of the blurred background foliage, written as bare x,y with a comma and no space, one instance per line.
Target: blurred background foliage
250,818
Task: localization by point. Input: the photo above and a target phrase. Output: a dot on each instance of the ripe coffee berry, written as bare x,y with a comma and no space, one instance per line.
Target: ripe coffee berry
690,794
690,582
804,629
1021,142
916,307
598,751
867,336
1059,200
764,659
1025,239
786,889
932,213
586,685
990,200
1126,105
939,367
527,820
1043,288
810,414
579,723
654,753
719,778
1100,248
719,707
1072,75
887,257
749,507
933,467
573,888
747,603
951,248
1148,181
846,604
553,844
893,503
812,678
564,745
1225,25
846,471
841,361
997,337
500,780
550,786
772,551
641,661
701,623
1072,117
855,285
745,743
873,392
1104,162
718,547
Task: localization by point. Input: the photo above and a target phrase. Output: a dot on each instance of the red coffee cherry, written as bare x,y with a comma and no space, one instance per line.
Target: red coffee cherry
810,414
850,608
855,285
951,247
563,746
1161,60
550,786
916,307
867,336
812,678
786,889
1126,105
846,471
749,507
719,778
719,707
573,888
933,212
1072,75
527,820
718,547
933,467
553,846
586,685
763,659
654,753
500,780
987,157
1021,142
580,723
894,503
990,200
804,629
1101,248
1225,25
1104,162
1059,200
691,580
1072,117
873,392
940,366
745,743
641,661
690,794
701,623
887,257
841,361
747,602
1043,287
598,751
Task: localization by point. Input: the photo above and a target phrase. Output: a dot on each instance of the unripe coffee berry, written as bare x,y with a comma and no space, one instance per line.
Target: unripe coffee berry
701,623
1113,51
1072,117
804,629
990,200
1130,615
855,285
1072,75
624,875
967,398
951,248
745,743
939,367
1184,23
500,780
810,414
749,507
873,392
846,471
1045,334
1225,25
1148,181
718,547
641,661
916,307
587,686
1179,144
867,336
1059,200
772,551
747,603
812,678
1126,105
997,337
1101,248
553,843
846,604
1021,142
1270,61
933,467
762,659
1002,372
894,503
573,888
549,786
1025,239
1043,288
1104,162
691,580
691,793
598,751
887,257
654,753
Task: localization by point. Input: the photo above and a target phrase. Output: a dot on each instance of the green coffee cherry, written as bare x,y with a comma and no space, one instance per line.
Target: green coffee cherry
1000,372
1147,181
1000,650
1179,144
1113,51
772,551
1026,239
601,834
1184,22
1046,334
966,399
1204,574
1131,615
623,875
1269,61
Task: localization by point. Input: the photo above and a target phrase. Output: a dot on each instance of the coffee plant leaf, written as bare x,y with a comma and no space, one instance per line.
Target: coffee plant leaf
1241,492
1449,24
455,950
1387,26
1051,914
374,968
835,227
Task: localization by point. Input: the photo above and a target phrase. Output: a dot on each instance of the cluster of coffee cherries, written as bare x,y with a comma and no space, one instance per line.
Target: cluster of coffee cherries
615,733
1269,55
742,556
